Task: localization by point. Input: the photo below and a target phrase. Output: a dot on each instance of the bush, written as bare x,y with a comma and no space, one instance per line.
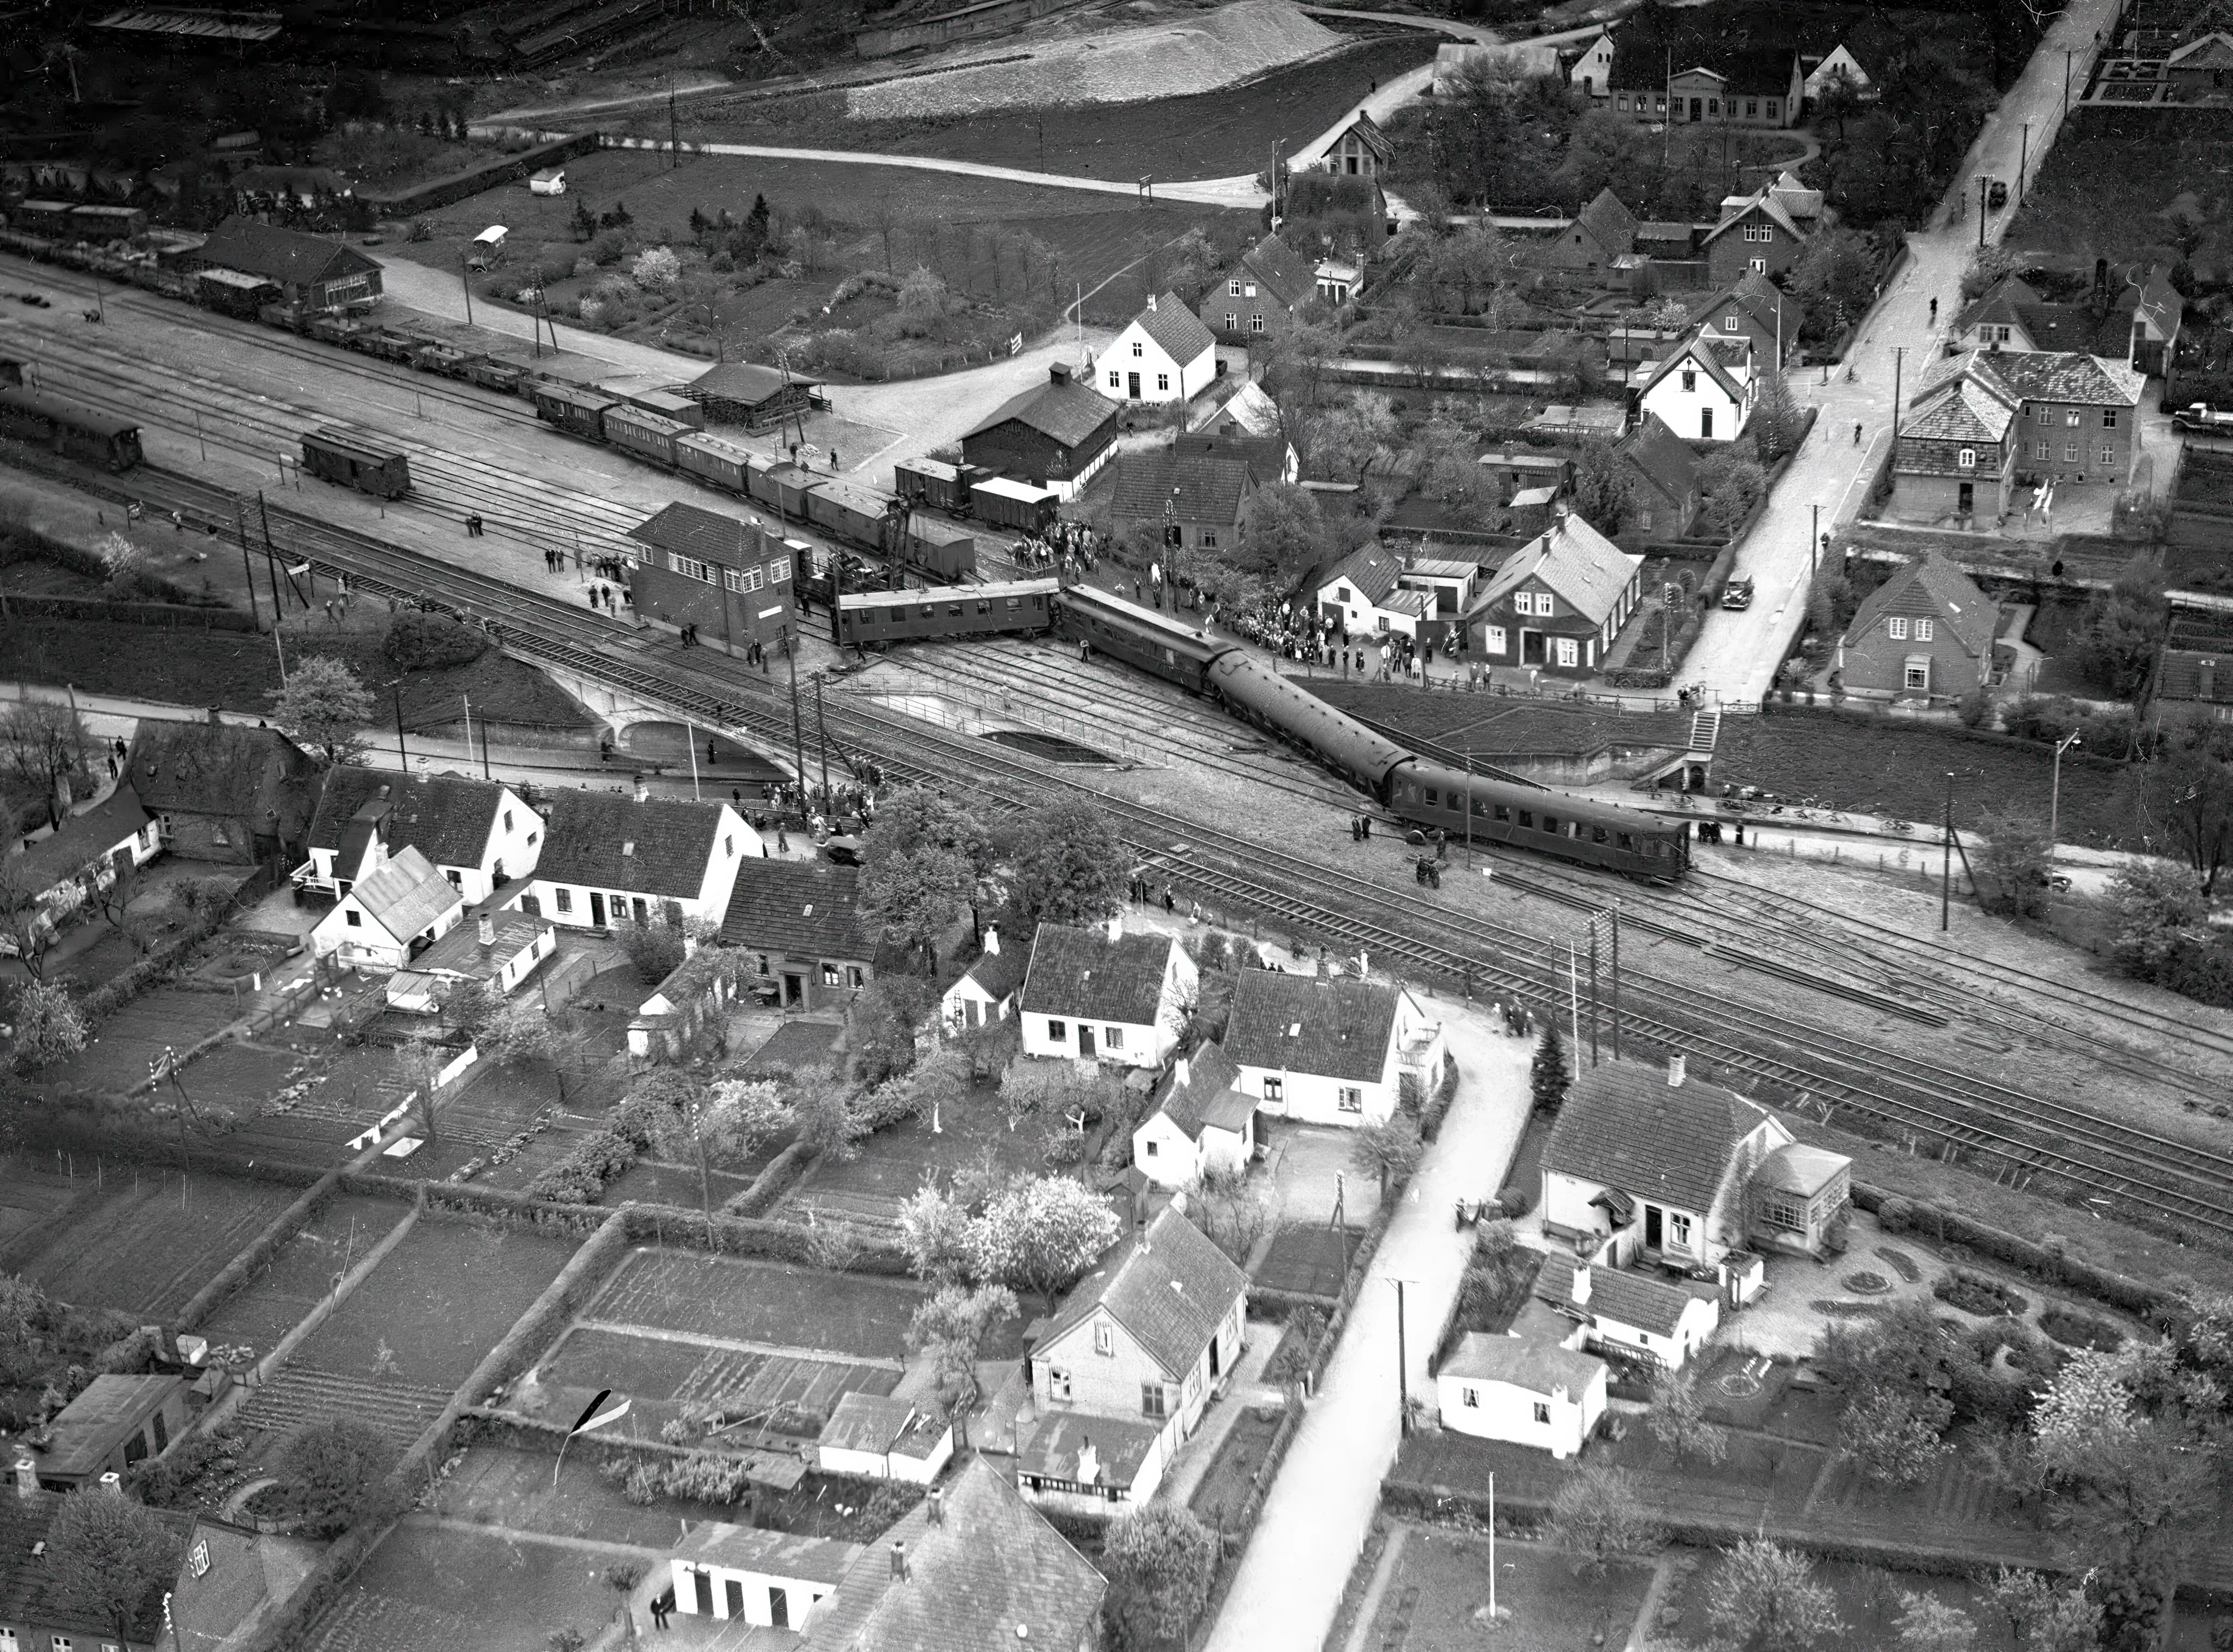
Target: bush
2080,1330
1976,707
333,1475
417,640
1895,1215
579,1178
1515,1201
1976,1294
608,248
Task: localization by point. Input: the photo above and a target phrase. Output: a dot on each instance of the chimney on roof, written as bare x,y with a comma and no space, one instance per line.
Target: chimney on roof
935,1506
27,1477
898,1562
1089,1463
1059,372
1676,1072
992,942
112,1483
1184,1069
1151,303
487,930
1581,1291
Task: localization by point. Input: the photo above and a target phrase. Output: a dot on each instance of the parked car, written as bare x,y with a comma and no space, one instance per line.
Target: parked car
1737,593
2201,417
1996,193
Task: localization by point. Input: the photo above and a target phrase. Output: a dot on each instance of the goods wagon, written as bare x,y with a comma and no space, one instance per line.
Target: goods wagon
446,359
849,511
573,407
941,486
352,462
492,374
229,292
1015,504
944,548
668,405
68,427
648,435
872,619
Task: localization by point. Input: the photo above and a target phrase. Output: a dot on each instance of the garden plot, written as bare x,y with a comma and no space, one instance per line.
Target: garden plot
139,1033
148,1239
768,1304
1436,1595
1869,1601
689,1371
303,1271
430,1585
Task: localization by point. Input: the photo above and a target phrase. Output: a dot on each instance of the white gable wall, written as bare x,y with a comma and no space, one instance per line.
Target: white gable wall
1161,378
1489,1409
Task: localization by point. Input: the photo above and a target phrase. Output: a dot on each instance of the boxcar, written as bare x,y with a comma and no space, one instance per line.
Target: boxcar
943,487
492,374
648,435
574,408
352,462
1015,504
389,345
68,427
231,293
710,459
848,509
667,404
779,484
948,550
1138,636
446,359
872,618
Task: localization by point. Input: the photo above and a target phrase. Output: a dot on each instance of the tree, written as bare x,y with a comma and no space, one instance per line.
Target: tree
926,859
24,917
325,703
1732,484
1603,492
1892,1437
118,1556
1159,1562
1286,535
827,1111
1069,866
1777,423
2014,864
1548,1075
1836,277
1231,1211
517,1029
466,1007
951,1328
1390,1151
934,1232
1677,1418
47,1025
1345,444
2122,631
2188,795
656,268
1042,1234
882,1025
738,1118
42,745
334,1475
1927,1624
1295,365
922,297
1766,1598
2042,1618
1597,1519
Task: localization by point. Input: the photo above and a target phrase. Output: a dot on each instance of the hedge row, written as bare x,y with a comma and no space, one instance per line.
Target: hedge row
781,1174
29,544
251,1257
584,1174
1899,1214
582,1277
1280,1306
174,617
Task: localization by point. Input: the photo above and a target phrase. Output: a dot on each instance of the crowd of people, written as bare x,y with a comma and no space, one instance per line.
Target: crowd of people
1069,547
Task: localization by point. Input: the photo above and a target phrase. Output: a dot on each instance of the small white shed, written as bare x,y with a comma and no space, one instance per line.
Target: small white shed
551,180
1524,1389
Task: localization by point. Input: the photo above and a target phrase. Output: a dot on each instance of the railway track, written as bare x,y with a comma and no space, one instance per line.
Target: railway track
1786,1059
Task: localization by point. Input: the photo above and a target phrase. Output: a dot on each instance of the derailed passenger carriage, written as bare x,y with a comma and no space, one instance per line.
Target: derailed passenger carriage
1549,822
1259,694
68,427
874,619
1103,623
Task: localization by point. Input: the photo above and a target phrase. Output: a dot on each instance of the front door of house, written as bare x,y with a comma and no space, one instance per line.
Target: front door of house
733,1588
705,1593
1531,647
597,909
1215,1365
1967,500
1133,387
1085,1043
1695,108
1705,423
794,989
778,1608
1652,1217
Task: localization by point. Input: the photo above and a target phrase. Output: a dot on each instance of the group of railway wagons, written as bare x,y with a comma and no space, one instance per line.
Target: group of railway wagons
68,427
973,490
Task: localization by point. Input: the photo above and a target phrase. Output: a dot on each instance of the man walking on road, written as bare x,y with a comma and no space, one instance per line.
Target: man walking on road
1857,433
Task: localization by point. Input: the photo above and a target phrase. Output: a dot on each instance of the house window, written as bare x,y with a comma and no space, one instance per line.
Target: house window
1689,380
1104,1334
1255,323
1967,459
829,974
457,879
1523,602
1209,538
198,1561
2070,452
1776,108
1896,630
1729,324
2071,419
1058,1384
1644,520
1922,630
1542,605
1057,1032
1785,1213
856,976
1472,1398
1274,1088
1678,1231
351,919
8,1640
1713,106
1153,1401
1570,652
1492,637
1542,1413
1232,322
1918,675
1659,102
2043,449
1350,1098
1137,349
1620,102
1112,1038
2108,454
62,1643
779,573
1758,266
1233,289
565,898
2109,419
1752,113
1155,1150
1113,380
1162,382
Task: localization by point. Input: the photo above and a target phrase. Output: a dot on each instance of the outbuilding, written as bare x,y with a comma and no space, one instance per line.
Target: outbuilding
880,1436
1055,435
401,905
1528,1391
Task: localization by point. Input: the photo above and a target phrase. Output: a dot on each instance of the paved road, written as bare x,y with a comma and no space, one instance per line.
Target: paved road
1315,1520
1736,654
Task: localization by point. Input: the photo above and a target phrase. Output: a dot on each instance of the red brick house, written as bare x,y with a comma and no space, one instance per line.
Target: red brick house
1927,631
1557,601
728,578
1662,484
1757,233
1260,297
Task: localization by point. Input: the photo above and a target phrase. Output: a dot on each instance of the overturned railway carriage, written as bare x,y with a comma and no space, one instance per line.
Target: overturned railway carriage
1103,623
1253,691
68,428
874,619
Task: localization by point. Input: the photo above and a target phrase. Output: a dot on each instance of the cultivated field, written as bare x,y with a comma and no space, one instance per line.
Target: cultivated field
306,1268
2101,195
893,1163
451,1585
1437,1595
1868,1601
1307,1257
649,1369
146,1242
770,1303
438,1302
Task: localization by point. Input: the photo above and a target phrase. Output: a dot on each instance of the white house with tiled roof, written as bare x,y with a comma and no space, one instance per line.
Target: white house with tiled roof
1328,1050
1202,1123
1148,1334
1663,1321
1164,353
1927,631
1557,601
609,859
1104,995
986,991
400,902
479,834
1537,1390
1705,390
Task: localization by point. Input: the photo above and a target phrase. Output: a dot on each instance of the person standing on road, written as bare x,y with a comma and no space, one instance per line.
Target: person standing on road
1857,433
1934,312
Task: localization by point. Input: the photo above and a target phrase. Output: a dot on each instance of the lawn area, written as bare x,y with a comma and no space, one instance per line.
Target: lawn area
1207,134
440,1299
2102,192
451,1585
150,1239
1868,1602
678,1184
768,1303
1441,1581
273,1302
1308,1257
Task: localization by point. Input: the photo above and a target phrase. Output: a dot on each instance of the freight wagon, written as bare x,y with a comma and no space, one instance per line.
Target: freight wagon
1015,504
945,548
876,619
573,407
231,293
943,487
352,462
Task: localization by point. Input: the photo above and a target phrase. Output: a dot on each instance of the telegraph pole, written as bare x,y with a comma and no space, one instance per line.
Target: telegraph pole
1402,1389
1616,981
798,739
822,729
1899,360
1593,993
1946,865
401,756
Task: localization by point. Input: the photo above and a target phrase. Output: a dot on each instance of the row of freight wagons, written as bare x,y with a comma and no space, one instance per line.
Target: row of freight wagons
973,490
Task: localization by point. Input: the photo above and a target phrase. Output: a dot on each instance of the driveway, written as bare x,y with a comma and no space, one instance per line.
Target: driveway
1736,654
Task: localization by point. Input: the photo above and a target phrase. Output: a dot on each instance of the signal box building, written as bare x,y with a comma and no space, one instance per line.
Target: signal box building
728,578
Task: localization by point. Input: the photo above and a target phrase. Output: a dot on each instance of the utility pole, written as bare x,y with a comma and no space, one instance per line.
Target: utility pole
1899,360
466,280
821,729
1403,1389
2023,161
401,756
271,563
1469,809
2067,54
1983,211
797,740
1814,544
1616,980
1946,864
247,568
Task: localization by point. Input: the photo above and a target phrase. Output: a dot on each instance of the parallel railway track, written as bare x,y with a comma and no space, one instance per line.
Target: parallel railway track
2016,1137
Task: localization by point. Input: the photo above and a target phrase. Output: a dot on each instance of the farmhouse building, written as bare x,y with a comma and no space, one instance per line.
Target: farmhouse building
1529,1391
1662,484
1202,1124
1329,1050
1557,601
42,1610
398,905
1665,69
729,577
986,993
1269,458
498,950
1363,149
1591,74
745,1575
1260,298
1705,390
84,854
1601,235
744,392
1756,234
1196,504
479,834
1055,435
234,795
1149,1334
972,1566
309,271
1927,631
801,922
611,860
1092,1465
1101,994
1165,353
879,1436
1370,593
